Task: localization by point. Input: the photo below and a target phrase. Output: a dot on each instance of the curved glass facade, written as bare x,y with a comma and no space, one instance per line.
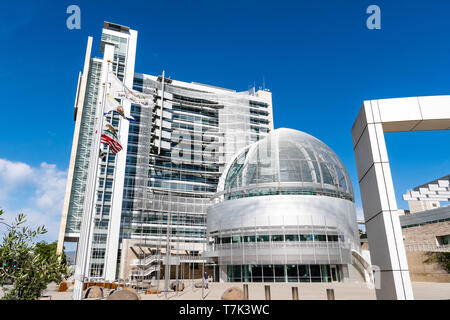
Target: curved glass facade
283,212
286,162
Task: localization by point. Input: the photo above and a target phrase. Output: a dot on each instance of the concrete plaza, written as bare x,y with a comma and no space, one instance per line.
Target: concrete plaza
282,291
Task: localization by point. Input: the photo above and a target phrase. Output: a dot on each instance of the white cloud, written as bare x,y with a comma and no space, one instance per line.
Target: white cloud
13,173
38,192
359,214
360,217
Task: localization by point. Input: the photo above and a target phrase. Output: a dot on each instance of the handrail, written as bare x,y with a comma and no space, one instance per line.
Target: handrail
426,247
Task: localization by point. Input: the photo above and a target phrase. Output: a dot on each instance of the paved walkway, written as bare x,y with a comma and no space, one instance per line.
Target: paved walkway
283,291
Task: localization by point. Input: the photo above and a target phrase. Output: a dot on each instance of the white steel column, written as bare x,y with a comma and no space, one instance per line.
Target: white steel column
375,180
112,246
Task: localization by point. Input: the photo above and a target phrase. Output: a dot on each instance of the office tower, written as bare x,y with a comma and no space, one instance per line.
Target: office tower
159,186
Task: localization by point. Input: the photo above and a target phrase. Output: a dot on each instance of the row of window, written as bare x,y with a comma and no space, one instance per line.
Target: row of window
181,186
425,223
176,125
256,104
187,109
190,220
155,231
282,273
273,191
177,176
196,119
279,237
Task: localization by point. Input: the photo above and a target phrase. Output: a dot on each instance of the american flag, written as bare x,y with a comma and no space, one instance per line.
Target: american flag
110,138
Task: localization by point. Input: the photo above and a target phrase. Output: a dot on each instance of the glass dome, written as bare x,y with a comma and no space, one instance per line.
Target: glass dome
286,161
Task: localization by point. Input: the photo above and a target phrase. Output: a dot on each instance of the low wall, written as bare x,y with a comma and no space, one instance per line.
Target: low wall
420,271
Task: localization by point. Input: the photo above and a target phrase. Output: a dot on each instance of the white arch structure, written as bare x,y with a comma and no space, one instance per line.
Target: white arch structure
375,180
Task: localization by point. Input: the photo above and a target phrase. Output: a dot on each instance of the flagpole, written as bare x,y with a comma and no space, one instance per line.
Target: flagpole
86,228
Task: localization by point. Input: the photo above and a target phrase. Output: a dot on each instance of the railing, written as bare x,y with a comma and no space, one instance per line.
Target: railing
144,273
146,261
427,247
363,266
154,258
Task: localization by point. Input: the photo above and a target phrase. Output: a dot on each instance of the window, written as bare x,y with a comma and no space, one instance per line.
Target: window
291,237
268,273
277,238
315,273
249,239
443,240
332,238
262,238
256,273
304,274
279,273
107,196
109,183
236,239
320,237
292,273
306,237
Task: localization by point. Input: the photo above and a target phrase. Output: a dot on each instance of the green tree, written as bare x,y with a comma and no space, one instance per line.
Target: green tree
47,250
29,267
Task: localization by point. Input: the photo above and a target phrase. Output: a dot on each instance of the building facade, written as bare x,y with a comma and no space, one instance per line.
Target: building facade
284,212
152,197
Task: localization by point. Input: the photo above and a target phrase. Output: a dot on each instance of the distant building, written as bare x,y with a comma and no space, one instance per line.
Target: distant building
427,230
429,195
426,233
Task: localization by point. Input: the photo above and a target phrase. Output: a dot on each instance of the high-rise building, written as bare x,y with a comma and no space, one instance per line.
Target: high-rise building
159,186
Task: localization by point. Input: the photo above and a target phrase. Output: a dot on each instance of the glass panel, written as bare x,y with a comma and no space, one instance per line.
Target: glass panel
292,272
236,274
332,237
247,273
320,237
279,273
256,273
249,239
326,275
263,238
277,238
236,239
315,273
291,237
303,272
268,273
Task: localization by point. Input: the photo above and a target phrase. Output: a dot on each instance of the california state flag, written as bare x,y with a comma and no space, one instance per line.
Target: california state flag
109,137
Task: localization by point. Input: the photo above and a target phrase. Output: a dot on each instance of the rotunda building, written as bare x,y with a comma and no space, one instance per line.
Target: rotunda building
284,212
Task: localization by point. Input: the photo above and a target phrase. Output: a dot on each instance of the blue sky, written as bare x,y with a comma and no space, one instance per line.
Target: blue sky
317,57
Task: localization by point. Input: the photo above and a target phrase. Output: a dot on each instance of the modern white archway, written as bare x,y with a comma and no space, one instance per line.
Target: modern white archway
384,232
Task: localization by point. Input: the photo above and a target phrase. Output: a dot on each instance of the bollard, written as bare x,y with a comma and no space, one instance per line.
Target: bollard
330,294
245,291
267,291
294,293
